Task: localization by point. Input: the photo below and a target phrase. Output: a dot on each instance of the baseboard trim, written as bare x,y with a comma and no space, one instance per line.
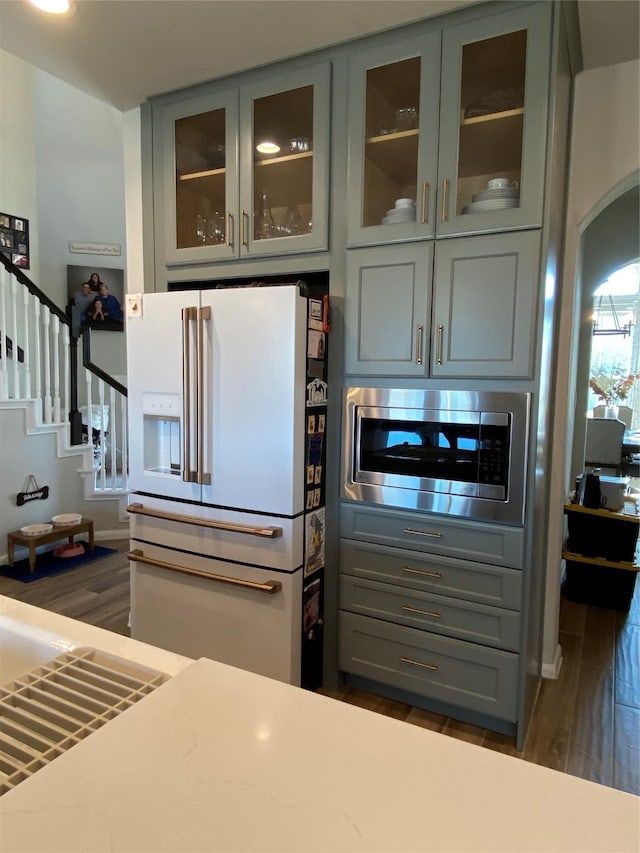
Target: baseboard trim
552,670
101,535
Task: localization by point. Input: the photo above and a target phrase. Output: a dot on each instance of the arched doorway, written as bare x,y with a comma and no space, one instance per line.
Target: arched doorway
610,253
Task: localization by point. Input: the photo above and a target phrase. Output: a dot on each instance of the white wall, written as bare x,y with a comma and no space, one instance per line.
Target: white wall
605,158
81,194
62,168
21,455
80,180
131,126
18,184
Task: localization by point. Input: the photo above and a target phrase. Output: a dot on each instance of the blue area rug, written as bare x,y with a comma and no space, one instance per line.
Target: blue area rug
47,564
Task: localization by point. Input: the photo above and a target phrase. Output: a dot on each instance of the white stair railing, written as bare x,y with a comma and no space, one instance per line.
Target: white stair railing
104,416
34,353
35,367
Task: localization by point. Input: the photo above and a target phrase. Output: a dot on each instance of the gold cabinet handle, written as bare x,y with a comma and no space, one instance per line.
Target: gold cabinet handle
429,574
268,587
431,666
419,331
203,477
230,229
264,532
245,229
422,533
445,199
439,341
434,613
188,314
425,203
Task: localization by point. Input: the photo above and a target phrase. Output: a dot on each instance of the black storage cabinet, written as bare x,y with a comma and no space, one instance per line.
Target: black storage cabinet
609,538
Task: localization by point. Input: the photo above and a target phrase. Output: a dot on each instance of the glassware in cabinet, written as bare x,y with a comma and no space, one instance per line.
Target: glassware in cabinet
283,164
284,156
211,182
196,176
200,191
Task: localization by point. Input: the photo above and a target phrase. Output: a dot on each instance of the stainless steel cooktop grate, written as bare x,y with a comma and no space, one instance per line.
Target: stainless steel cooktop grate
56,705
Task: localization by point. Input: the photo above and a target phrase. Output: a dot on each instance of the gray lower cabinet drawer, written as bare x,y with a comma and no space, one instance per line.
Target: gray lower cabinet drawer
478,582
440,668
497,544
478,623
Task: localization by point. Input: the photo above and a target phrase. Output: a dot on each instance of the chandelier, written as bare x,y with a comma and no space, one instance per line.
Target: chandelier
617,328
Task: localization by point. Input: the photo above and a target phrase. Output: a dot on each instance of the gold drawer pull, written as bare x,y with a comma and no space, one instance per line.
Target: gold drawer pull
425,196
434,613
431,666
445,199
439,339
270,587
422,533
421,572
266,532
419,332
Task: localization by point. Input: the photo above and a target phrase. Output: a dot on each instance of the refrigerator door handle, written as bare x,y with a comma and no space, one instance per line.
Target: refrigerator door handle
188,314
268,587
263,532
202,429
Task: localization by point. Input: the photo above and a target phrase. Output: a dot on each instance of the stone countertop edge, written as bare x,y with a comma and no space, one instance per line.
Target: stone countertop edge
65,634
219,759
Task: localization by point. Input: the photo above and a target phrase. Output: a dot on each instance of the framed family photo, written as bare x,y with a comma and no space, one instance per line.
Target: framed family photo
99,294
14,239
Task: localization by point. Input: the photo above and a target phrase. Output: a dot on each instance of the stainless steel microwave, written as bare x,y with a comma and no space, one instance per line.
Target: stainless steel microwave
461,453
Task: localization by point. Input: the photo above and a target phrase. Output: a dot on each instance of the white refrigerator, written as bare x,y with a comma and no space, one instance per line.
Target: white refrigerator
227,419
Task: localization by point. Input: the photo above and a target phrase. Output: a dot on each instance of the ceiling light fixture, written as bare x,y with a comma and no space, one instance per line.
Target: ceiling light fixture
62,8
267,147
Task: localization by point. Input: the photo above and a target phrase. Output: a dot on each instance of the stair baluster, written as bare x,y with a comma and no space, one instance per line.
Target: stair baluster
26,337
14,336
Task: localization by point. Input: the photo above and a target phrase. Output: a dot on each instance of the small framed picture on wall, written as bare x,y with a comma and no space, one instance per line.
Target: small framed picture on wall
14,239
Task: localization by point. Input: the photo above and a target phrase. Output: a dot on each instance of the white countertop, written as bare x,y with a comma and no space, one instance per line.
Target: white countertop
218,759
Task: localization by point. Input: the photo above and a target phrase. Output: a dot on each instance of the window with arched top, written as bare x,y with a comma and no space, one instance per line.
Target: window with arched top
614,380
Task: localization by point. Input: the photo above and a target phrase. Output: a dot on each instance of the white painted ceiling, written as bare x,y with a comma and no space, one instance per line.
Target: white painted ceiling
124,51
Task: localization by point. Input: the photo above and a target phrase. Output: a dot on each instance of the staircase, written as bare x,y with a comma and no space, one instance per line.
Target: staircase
46,373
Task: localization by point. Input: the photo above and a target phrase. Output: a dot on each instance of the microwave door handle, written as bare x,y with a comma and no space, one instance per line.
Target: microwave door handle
203,427
188,475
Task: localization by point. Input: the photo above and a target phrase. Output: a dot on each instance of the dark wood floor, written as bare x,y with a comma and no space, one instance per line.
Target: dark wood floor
587,722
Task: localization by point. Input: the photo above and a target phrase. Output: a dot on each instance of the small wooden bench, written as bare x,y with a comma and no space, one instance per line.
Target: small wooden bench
67,531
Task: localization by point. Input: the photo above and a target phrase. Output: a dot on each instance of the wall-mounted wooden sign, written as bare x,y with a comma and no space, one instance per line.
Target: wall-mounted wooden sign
32,492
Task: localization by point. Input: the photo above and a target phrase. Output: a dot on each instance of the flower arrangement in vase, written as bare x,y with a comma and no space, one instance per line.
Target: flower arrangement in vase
612,388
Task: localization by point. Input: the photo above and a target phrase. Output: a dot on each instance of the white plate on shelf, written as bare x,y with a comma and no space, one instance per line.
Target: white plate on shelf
66,519
497,204
36,529
397,216
490,195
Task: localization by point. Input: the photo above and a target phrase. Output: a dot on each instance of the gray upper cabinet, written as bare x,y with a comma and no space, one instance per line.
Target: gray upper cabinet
387,310
482,325
196,165
485,295
244,172
393,140
447,130
495,78
284,195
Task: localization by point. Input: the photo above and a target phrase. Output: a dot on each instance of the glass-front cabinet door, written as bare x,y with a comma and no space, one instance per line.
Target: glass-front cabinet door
284,162
393,140
245,171
493,122
200,181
